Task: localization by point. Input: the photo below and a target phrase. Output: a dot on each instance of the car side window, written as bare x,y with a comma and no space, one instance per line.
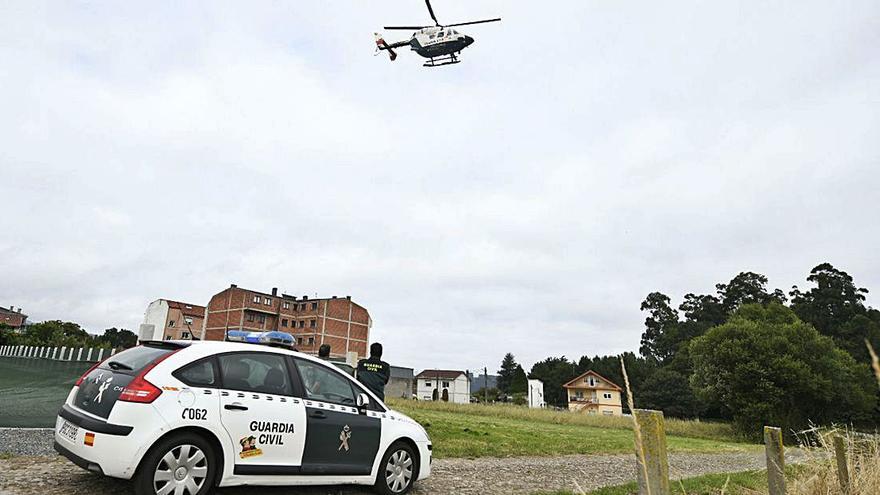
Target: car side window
255,372
201,373
323,384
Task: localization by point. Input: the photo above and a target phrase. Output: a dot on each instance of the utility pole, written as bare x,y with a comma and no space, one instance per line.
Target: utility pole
485,384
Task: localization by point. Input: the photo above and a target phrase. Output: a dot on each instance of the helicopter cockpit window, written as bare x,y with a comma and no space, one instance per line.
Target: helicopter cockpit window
440,34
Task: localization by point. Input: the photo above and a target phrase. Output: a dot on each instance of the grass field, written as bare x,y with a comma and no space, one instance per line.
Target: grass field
473,430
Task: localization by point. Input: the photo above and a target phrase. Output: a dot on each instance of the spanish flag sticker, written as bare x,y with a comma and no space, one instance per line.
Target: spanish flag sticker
89,439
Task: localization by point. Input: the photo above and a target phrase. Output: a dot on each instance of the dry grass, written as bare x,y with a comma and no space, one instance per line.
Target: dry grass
819,475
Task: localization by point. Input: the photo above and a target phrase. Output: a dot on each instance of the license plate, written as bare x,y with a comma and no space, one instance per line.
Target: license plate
68,431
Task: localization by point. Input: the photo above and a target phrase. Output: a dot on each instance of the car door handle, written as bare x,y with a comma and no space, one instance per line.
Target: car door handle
318,415
235,407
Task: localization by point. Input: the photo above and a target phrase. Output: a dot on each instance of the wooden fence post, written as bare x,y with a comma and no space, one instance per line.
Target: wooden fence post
654,475
775,453
842,468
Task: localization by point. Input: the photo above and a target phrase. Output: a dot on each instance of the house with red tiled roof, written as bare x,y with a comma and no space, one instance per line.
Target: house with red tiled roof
592,393
446,385
13,318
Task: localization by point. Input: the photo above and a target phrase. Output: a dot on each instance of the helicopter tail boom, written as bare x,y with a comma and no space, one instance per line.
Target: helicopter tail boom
381,44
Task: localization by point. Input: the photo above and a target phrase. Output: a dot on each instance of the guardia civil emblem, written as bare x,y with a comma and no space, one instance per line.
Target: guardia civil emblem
344,437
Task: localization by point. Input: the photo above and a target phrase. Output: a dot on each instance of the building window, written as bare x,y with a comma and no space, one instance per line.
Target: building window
250,317
311,340
184,335
167,337
314,305
607,396
313,323
445,384
283,323
428,384
591,381
286,305
302,306
299,340
171,323
257,299
188,306
262,318
267,301
302,323
608,413
579,394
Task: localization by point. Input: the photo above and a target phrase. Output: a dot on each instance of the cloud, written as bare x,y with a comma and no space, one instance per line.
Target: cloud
525,200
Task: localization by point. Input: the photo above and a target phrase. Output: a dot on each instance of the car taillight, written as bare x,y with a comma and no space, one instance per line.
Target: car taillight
139,389
78,382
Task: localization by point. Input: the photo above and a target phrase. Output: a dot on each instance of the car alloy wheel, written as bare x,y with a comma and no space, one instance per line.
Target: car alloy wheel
399,471
181,471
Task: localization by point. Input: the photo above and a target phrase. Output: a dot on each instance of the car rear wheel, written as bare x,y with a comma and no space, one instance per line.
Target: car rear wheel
179,465
398,470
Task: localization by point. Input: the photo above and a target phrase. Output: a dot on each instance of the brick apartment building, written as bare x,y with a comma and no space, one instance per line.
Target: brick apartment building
337,321
12,317
172,320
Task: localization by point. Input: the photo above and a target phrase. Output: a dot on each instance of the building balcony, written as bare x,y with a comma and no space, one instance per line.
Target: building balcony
583,400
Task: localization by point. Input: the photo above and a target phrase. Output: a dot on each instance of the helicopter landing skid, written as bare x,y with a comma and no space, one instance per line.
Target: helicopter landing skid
439,62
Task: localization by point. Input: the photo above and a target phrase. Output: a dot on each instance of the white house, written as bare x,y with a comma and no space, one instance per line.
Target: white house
446,385
536,394
165,319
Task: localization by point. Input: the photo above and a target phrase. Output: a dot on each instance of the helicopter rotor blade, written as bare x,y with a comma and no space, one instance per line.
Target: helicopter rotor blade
406,28
473,22
431,11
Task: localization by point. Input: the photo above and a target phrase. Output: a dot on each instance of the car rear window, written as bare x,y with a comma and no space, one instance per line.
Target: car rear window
133,360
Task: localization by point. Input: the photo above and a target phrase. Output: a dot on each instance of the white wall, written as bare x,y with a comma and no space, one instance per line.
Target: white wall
156,315
536,393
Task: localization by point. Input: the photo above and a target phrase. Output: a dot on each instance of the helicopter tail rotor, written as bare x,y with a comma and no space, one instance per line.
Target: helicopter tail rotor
382,45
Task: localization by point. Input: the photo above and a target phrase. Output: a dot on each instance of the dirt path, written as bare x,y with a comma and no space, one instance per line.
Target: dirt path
49,475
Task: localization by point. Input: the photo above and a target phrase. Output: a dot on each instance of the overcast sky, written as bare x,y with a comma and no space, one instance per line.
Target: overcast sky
525,200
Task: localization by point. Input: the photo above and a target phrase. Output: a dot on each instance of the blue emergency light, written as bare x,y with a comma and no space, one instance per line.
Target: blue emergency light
273,338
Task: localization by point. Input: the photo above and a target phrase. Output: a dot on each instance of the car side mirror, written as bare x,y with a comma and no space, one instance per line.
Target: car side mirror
363,400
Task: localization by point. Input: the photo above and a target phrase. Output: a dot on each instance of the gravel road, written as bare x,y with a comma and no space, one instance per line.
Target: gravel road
40,471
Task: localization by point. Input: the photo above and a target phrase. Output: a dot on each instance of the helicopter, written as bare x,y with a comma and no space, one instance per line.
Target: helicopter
439,43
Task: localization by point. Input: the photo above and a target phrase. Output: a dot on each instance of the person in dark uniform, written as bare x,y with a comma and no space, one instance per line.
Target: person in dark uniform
373,372
324,352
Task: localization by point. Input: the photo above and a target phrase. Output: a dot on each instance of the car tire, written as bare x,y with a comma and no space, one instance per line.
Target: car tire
186,460
398,470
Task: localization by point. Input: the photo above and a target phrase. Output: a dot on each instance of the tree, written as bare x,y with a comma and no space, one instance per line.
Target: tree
505,374
746,288
704,308
520,382
835,306
660,339
117,338
554,372
55,333
669,391
767,366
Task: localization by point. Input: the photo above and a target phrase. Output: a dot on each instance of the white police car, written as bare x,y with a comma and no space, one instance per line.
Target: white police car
184,417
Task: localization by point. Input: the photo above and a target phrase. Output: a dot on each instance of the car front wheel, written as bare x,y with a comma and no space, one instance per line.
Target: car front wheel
179,465
398,470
